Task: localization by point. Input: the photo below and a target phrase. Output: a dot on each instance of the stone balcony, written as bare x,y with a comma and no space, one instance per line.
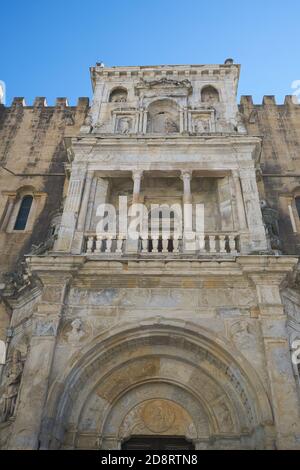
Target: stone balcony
212,244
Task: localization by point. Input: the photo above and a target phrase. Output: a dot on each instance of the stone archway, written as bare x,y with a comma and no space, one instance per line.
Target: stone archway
213,395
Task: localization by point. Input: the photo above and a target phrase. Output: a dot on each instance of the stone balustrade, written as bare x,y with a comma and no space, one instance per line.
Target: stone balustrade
206,244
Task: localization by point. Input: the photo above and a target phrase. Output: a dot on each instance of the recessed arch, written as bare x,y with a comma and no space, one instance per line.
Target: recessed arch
227,391
118,95
163,117
209,94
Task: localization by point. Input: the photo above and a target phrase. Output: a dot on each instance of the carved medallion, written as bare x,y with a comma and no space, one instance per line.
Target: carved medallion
158,416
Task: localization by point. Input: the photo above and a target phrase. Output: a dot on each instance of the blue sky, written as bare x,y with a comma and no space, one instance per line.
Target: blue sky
48,46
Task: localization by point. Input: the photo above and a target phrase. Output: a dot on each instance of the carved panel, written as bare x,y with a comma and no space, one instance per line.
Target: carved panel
158,417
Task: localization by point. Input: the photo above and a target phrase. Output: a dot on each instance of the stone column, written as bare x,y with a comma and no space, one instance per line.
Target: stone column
71,210
239,213
257,235
37,369
145,122
239,202
132,246
137,179
189,235
186,176
225,204
79,233
282,385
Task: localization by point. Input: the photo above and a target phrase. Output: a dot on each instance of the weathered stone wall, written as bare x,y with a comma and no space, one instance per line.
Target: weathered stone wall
279,126
32,155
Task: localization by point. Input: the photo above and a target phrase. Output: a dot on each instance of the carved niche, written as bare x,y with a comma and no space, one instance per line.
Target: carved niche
118,95
124,121
201,123
210,95
124,125
163,117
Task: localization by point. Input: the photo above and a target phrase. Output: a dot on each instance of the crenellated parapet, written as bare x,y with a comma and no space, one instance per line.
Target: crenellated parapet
246,102
32,165
279,127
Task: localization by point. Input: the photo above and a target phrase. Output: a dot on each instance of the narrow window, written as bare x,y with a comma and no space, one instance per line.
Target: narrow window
23,214
2,353
298,205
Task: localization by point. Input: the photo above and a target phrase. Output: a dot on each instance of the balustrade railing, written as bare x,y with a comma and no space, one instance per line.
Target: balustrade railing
209,243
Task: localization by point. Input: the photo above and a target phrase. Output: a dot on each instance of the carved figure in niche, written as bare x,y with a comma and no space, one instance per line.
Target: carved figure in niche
118,96
170,126
158,416
243,333
163,117
209,95
124,125
12,385
77,332
201,126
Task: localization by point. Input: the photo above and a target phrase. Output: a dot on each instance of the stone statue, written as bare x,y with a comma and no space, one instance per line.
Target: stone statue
12,385
270,218
77,332
201,126
16,281
43,247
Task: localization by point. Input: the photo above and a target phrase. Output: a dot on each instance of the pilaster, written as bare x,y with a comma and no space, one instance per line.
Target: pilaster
37,369
284,397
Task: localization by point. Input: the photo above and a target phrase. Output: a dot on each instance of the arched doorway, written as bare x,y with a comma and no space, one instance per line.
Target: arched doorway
159,380
157,443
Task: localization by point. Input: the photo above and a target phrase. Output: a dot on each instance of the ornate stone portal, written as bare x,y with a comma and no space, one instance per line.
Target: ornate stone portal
186,334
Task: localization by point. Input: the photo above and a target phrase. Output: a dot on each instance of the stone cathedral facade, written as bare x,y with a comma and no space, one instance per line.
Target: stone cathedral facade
167,339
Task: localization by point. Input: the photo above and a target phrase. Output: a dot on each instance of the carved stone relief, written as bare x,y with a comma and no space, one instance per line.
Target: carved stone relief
118,96
45,328
155,417
124,125
11,386
76,331
201,124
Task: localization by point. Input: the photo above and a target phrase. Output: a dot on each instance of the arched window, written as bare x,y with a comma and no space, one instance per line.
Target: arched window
23,213
209,94
297,200
118,95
